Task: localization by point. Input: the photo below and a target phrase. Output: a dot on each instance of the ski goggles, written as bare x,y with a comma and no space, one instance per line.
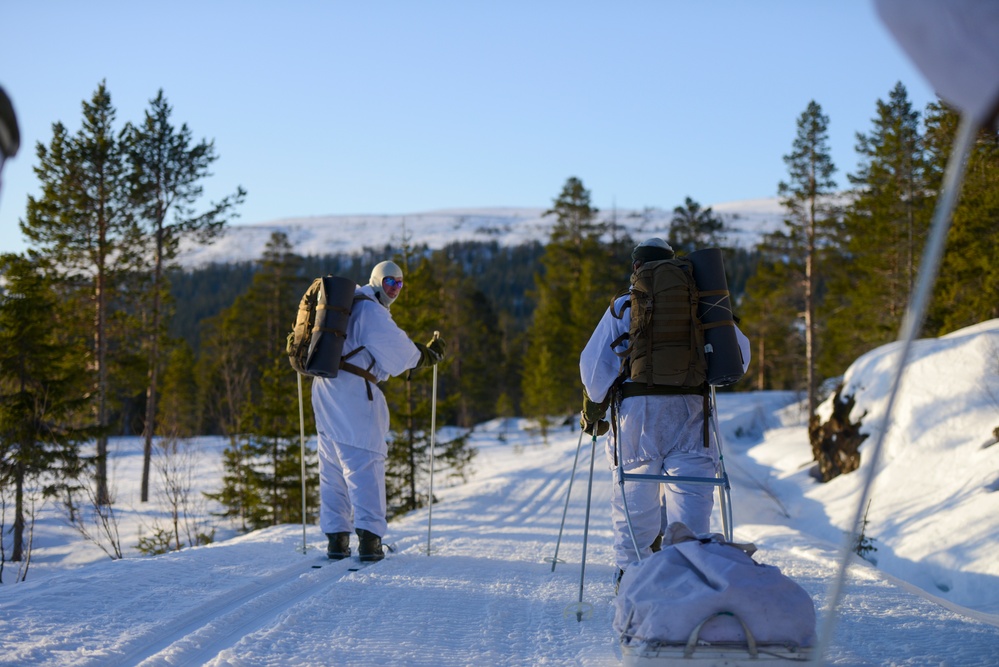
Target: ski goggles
395,283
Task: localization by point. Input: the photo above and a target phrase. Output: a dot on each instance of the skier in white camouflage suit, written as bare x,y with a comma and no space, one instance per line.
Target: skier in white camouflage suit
658,434
352,417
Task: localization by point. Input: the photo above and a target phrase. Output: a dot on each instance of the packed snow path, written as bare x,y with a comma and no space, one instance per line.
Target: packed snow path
484,596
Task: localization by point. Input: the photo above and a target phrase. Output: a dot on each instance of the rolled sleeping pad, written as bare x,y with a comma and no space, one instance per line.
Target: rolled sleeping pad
721,345
330,330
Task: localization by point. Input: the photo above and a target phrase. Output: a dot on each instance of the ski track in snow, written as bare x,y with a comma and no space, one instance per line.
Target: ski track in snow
485,595
217,625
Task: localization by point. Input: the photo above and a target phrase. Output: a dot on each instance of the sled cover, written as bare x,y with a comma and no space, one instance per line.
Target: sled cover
664,598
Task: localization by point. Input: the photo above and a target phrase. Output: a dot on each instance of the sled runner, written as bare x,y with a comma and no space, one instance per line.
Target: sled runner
698,654
704,601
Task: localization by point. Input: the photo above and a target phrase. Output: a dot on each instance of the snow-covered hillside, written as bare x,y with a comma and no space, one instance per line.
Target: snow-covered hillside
486,595
323,235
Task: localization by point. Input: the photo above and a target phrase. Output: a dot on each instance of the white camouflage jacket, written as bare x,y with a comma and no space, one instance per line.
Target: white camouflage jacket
343,410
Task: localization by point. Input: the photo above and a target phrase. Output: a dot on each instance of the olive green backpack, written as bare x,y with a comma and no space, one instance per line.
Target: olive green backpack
666,338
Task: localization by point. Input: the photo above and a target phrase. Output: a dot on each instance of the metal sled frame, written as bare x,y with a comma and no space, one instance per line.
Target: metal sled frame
716,654
721,481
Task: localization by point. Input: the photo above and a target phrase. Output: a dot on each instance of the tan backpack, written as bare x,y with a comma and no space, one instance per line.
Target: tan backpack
315,345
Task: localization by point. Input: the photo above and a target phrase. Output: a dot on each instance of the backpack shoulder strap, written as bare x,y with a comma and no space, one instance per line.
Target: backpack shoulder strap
365,373
369,377
619,314
627,304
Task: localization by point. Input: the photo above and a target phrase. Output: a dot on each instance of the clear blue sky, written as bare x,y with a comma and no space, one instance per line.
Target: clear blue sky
401,107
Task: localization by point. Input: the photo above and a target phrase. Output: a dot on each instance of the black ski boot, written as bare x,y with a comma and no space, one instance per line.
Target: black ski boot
370,547
339,546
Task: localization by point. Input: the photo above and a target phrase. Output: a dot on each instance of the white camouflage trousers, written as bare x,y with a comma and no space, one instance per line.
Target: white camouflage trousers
660,435
351,488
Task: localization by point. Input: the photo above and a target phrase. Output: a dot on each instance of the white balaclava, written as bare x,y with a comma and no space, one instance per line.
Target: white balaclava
380,271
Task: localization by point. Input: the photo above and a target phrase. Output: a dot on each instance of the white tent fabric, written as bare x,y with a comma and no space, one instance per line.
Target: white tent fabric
955,45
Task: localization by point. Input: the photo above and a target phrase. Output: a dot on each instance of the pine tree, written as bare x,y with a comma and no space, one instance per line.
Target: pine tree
83,230
167,172
811,220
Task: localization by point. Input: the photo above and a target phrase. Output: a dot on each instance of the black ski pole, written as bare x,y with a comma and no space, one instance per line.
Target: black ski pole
586,526
433,434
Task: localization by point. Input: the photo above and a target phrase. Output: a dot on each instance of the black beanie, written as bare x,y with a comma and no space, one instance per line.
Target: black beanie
652,250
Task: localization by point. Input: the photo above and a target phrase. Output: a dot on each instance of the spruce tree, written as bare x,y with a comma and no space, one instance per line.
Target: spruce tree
419,310
41,398
253,388
178,413
967,290
473,371
811,221
694,228
579,275
436,297
224,378
242,341
477,365
243,490
83,231
167,172
540,397
770,311
273,441
885,228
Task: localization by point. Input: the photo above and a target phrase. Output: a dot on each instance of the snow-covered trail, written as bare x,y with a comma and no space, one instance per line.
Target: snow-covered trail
484,596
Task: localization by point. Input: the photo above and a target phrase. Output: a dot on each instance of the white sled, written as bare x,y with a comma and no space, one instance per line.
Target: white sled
704,601
696,653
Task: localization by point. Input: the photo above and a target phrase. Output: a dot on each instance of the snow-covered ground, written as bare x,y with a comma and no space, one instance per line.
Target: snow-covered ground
509,226
486,594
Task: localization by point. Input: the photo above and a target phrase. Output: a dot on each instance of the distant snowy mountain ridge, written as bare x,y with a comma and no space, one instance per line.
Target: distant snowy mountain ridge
509,226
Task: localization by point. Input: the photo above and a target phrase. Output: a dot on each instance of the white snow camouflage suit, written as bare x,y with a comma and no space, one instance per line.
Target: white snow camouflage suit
658,434
352,428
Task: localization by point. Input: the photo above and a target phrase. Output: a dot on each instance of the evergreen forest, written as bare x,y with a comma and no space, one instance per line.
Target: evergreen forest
102,334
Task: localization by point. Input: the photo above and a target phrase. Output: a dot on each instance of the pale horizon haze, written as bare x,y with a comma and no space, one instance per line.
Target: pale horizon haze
329,108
